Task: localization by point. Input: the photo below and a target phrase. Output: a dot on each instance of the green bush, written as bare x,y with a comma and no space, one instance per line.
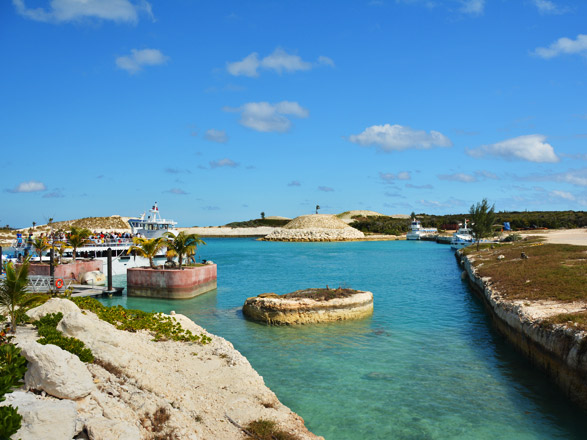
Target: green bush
47,328
162,327
13,366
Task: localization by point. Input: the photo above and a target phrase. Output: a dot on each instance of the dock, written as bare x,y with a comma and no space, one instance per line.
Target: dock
80,290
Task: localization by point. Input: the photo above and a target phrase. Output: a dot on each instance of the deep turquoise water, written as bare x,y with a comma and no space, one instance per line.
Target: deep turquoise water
427,365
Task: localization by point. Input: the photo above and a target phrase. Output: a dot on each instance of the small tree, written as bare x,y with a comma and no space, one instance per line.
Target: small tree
263,215
78,237
183,244
147,248
14,294
41,245
482,220
317,208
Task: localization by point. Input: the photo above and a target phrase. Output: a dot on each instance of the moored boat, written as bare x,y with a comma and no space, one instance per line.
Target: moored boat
417,231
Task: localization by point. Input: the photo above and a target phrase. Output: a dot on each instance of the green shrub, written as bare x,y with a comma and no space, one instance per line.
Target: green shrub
13,366
47,328
162,327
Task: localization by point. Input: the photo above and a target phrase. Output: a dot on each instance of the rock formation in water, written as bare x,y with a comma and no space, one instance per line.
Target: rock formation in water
309,306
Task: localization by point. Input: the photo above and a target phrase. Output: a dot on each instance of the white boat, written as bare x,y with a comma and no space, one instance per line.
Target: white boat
463,237
417,231
151,226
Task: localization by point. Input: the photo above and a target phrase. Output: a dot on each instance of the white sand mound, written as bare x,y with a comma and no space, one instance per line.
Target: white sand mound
348,215
315,227
277,217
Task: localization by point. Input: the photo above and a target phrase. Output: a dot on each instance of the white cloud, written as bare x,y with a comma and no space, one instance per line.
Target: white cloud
458,177
216,136
531,148
247,67
72,10
473,7
403,175
279,61
138,58
573,177
226,162
563,195
30,186
266,117
564,46
396,138
549,7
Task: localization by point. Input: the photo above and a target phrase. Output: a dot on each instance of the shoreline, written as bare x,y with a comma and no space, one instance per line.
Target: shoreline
560,352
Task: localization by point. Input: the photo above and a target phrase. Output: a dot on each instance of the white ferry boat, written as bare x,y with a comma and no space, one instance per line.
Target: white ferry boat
146,226
463,237
417,231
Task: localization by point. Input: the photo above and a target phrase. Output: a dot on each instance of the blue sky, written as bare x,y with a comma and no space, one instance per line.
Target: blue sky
220,110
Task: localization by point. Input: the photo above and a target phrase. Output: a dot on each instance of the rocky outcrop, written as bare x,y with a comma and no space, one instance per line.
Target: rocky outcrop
142,389
281,310
43,418
55,371
560,351
315,227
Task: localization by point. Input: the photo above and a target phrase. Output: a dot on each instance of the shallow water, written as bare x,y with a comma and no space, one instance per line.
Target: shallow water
426,365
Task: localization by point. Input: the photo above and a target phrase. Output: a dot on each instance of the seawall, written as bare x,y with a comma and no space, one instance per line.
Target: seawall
559,351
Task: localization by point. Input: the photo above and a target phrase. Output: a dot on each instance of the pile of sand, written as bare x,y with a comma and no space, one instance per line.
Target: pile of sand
316,227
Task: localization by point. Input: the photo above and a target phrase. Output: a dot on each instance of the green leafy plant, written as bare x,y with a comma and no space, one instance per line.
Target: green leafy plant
78,237
147,248
13,366
14,294
40,245
263,429
47,329
162,327
183,244
482,220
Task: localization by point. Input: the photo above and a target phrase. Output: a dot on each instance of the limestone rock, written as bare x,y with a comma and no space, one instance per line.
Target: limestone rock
102,428
54,305
56,371
43,419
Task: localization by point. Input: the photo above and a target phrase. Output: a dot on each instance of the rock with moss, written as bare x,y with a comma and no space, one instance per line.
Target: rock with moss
309,306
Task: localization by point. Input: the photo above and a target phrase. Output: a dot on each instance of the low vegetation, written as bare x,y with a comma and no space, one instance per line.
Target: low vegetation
276,223
13,366
320,294
545,271
47,329
162,327
519,220
263,429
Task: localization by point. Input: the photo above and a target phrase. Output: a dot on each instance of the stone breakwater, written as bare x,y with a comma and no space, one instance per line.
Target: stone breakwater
138,388
559,351
273,309
315,234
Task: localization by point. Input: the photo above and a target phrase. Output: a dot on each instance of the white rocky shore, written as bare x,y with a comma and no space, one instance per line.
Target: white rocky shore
138,388
315,227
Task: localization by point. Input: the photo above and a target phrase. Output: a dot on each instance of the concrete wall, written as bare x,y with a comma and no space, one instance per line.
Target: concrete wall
560,352
171,283
69,270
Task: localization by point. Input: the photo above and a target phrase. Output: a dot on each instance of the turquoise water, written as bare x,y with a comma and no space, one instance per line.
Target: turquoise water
427,365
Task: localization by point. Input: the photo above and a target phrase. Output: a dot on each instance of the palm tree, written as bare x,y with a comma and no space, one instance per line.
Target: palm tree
147,248
14,294
78,237
183,244
61,246
41,245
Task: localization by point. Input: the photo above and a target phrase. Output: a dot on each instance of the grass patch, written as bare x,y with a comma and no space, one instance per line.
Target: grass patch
321,294
550,271
267,430
276,223
163,328
578,318
47,328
